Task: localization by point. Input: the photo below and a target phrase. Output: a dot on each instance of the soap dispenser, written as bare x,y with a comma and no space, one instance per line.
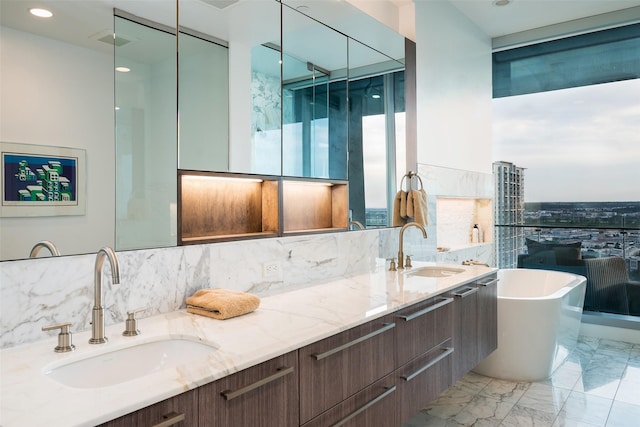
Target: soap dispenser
475,234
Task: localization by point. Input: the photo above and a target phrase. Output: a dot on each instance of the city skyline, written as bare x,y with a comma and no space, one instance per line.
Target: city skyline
577,145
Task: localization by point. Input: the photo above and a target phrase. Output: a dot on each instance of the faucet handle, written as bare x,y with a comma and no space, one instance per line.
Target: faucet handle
407,263
392,264
131,324
64,337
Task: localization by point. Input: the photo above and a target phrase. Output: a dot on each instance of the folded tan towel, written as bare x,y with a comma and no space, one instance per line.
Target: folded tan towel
410,213
417,206
221,303
397,217
403,204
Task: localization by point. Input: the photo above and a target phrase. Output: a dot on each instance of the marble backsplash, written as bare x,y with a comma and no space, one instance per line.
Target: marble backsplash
36,293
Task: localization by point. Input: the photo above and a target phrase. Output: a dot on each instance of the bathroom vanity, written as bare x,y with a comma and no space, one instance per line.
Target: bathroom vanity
371,349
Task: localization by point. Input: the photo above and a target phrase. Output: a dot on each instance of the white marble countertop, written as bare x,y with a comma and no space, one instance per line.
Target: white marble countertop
284,322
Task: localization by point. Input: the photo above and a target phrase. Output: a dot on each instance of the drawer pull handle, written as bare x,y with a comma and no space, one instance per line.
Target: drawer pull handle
442,302
466,293
446,352
365,406
171,418
228,395
385,328
487,282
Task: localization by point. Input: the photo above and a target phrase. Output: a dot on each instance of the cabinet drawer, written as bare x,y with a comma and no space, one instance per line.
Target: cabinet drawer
372,407
421,381
422,326
335,368
178,411
465,336
487,316
265,395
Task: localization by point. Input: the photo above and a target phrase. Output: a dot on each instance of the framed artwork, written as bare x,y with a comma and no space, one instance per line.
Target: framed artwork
40,180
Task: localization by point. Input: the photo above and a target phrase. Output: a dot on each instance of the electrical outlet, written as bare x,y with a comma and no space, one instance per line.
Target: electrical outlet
271,269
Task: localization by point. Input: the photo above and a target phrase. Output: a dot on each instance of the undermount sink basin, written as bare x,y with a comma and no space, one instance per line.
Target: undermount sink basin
435,271
126,364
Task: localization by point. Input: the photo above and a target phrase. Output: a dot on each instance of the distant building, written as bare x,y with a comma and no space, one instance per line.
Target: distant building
508,211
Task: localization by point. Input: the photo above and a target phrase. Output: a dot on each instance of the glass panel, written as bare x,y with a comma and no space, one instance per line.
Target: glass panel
146,143
203,104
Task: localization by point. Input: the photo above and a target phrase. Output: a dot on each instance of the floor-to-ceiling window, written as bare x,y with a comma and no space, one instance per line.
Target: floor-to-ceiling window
568,111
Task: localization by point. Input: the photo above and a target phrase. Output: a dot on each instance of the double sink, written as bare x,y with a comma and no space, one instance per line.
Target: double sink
133,360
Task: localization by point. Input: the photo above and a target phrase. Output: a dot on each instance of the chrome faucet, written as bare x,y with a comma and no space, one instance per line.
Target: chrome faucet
97,314
402,230
357,224
44,244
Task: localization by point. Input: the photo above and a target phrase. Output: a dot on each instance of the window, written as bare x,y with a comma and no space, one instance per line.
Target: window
568,111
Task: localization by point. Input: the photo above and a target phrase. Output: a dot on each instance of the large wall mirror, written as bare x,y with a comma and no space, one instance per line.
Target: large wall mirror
314,98
59,81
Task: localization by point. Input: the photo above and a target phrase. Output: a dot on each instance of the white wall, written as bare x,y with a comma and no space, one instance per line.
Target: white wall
453,89
57,94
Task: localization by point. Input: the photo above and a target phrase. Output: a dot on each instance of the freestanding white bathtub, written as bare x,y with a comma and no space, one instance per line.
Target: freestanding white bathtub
539,315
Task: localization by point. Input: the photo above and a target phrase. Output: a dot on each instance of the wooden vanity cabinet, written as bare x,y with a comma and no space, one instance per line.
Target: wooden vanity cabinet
422,327
179,411
424,351
335,368
264,395
378,374
375,406
422,380
475,324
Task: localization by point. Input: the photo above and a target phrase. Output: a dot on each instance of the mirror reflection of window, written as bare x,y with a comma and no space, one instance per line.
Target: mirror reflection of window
377,149
314,126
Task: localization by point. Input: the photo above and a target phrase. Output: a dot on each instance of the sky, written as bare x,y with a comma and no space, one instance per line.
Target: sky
577,145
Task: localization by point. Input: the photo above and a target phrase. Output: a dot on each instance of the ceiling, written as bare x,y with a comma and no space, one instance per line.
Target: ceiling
523,15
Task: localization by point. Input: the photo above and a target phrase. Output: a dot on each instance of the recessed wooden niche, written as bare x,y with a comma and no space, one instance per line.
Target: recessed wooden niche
216,207
220,206
313,206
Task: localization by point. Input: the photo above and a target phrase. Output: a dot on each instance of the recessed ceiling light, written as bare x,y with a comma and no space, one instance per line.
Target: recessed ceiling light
501,2
123,69
41,13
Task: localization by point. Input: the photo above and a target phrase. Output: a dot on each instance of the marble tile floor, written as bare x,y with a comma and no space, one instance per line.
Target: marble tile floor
598,385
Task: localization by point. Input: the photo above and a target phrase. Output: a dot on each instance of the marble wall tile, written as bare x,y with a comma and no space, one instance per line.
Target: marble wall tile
450,182
455,220
35,293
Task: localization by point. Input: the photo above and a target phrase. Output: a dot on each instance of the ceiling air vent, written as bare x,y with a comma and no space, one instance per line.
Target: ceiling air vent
220,4
118,41
107,37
